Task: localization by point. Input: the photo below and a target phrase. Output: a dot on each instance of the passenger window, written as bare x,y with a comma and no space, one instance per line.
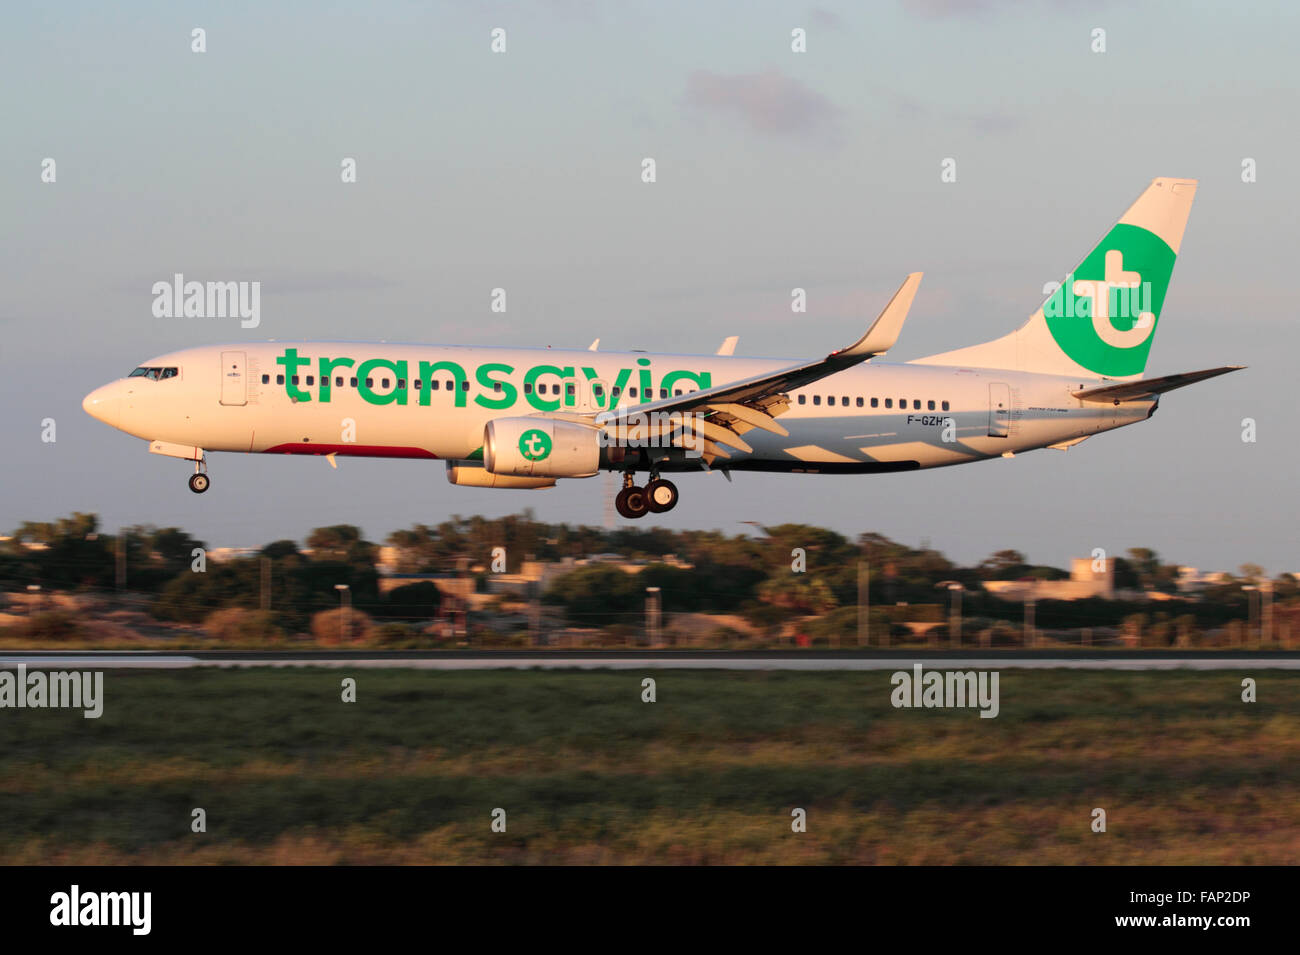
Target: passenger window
354,382
803,399
401,384
929,406
266,379
451,385
889,402
528,389
916,404
311,379
860,401
338,382
632,392
294,379
383,382
945,406
370,382
844,401
496,387
433,384
415,383
677,393
663,392
817,399
279,379
615,391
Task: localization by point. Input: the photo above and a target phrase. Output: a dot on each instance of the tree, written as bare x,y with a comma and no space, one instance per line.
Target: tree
1252,572
1003,565
598,595
341,543
1145,564
415,601
281,548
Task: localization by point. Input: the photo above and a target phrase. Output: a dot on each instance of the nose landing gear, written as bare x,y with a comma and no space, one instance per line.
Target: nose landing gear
634,502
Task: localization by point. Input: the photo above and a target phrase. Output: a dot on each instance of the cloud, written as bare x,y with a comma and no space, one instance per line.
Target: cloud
943,9
989,122
768,102
827,19
993,122
974,9
280,281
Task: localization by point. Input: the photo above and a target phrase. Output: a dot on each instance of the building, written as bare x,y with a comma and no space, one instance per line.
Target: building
1086,581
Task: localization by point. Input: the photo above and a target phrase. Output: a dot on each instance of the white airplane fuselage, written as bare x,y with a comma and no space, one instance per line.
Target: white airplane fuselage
869,418
525,418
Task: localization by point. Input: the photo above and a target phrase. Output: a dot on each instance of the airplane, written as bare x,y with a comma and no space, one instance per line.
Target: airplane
525,418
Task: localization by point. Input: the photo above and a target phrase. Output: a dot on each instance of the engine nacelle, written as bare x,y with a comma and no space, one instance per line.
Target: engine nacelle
480,477
540,447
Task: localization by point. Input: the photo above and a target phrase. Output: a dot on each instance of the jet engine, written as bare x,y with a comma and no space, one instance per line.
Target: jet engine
541,447
475,476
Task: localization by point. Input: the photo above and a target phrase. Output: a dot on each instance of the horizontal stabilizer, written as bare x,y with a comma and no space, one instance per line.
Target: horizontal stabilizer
1144,388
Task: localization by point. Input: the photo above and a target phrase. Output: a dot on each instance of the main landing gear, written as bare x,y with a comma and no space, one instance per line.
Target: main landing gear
199,479
658,496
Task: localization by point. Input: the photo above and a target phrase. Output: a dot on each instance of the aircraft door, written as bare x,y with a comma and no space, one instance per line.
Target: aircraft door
234,378
999,409
596,395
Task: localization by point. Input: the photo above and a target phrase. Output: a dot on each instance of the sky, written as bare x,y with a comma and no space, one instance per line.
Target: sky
775,170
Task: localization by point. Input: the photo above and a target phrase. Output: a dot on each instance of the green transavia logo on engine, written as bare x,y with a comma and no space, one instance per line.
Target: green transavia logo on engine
535,445
1104,315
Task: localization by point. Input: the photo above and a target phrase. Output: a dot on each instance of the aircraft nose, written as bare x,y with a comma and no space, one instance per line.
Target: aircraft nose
105,404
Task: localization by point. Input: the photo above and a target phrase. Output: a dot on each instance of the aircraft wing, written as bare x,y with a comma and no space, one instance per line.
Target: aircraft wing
1144,388
731,409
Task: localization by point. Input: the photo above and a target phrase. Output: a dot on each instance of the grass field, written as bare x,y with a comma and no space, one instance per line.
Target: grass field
410,773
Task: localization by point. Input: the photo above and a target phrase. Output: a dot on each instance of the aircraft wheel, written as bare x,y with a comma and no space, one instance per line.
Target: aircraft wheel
631,502
199,483
661,495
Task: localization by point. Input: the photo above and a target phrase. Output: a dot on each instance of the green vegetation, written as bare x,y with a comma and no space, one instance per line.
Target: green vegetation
784,583
586,772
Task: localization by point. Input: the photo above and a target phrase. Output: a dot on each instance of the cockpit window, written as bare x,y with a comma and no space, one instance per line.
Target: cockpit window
154,374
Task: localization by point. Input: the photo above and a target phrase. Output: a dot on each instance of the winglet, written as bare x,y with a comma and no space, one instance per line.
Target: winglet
728,346
882,334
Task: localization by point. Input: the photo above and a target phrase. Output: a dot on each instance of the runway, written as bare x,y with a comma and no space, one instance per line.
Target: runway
659,660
